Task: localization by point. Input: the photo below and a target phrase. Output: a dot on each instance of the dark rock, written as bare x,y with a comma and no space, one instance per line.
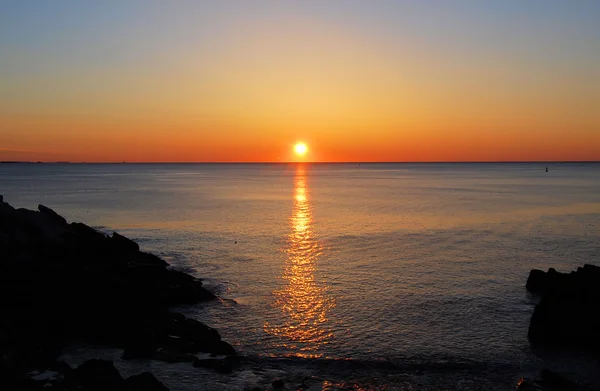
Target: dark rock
5,207
36,226
85,233
555,381
98,375
124,244
181,288
202,338
60,282
143,382
278,383
566,314
536,282
52,214
141,344
145,260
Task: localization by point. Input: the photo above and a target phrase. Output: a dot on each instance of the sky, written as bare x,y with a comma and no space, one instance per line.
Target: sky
244,81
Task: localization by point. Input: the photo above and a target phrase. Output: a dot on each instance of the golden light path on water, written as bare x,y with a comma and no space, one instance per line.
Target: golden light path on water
303,302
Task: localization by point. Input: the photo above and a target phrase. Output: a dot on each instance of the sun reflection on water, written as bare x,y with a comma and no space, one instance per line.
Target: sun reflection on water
303,301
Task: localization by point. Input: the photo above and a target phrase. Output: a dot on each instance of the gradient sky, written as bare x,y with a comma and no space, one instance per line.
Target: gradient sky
244,80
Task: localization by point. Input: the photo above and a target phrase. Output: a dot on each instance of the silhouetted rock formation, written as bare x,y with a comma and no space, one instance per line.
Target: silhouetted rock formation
61,282
566,314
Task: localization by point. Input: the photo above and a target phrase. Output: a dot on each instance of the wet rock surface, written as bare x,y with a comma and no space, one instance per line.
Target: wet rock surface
62,282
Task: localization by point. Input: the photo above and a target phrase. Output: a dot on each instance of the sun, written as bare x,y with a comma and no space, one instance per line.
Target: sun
300,149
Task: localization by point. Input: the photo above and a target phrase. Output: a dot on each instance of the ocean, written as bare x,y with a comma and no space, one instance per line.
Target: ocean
346,276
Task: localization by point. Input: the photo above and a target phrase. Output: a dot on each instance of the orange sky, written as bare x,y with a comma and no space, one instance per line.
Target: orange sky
245,83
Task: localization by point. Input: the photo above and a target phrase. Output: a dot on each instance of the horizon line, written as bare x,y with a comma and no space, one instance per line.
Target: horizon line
299,162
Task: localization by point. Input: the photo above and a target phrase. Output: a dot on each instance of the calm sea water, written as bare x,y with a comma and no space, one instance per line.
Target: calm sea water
370,276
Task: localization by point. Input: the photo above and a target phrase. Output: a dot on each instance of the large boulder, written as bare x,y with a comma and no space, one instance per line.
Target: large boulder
173,337
566,313
202,337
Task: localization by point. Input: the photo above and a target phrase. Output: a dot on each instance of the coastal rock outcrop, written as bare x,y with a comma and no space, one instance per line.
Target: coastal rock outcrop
566,314
62,282
92,375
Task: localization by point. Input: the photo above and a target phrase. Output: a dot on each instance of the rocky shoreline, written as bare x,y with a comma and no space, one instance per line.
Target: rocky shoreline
65,282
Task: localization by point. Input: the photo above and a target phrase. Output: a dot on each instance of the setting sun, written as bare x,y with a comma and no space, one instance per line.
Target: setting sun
300,149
